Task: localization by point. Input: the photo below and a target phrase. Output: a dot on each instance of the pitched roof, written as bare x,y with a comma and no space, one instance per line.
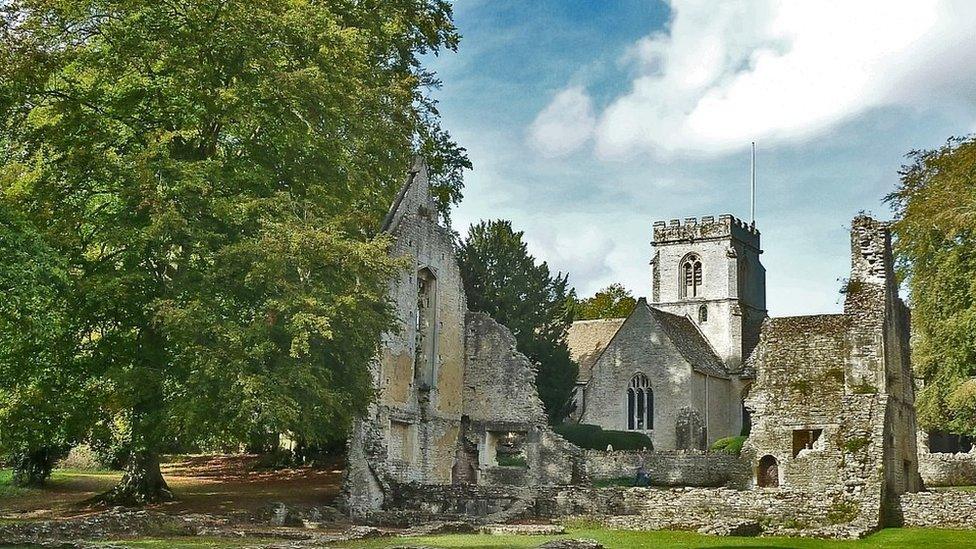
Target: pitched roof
587,339
690,343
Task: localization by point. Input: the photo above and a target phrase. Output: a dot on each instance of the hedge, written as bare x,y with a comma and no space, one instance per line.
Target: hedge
594,437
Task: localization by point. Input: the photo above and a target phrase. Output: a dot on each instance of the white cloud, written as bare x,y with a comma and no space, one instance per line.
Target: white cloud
730,72
565,124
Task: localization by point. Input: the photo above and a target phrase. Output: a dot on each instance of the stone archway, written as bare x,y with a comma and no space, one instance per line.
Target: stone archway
767,473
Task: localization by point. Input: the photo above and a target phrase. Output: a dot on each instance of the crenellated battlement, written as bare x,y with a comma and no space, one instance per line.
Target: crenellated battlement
707,226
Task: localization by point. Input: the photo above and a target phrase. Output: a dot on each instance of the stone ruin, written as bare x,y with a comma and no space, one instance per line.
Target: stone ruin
455,402
457,430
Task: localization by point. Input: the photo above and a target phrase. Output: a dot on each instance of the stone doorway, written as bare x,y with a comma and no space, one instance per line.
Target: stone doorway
767,474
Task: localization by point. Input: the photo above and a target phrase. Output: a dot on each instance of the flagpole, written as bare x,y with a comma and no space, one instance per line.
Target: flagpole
753,211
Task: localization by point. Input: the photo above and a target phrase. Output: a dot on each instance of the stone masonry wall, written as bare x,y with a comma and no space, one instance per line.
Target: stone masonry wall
947,469
778,512
938,509
669,468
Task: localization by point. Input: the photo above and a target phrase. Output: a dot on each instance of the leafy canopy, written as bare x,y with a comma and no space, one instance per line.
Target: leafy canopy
935,230
614,301
503,280
211,177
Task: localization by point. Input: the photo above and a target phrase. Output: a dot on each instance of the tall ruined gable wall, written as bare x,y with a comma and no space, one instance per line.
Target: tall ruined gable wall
409,433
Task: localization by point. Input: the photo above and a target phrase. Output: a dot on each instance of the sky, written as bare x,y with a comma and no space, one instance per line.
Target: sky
588,121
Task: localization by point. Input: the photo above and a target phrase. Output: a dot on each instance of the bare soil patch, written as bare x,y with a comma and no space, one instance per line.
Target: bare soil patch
219,485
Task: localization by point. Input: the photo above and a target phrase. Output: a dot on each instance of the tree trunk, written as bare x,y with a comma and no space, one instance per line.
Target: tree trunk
33,467
142,483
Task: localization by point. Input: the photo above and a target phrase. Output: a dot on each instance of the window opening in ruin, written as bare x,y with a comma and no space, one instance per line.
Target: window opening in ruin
691,276
703,314
940,442
767,473
640,404
804,439
425,332
510,449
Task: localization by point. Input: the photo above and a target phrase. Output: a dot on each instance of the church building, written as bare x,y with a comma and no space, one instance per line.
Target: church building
674,369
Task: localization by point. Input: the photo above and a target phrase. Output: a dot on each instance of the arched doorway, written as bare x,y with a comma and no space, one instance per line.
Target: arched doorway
767,474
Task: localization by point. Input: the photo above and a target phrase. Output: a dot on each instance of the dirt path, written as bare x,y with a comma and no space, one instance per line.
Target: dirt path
217,485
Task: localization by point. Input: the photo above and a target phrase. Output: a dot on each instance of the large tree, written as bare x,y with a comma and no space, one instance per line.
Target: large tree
503,280
614,301
213,175
935,230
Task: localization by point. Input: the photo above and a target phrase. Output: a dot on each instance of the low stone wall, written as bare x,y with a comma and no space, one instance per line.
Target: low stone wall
947,469
670,468
779,511
941,509
775,511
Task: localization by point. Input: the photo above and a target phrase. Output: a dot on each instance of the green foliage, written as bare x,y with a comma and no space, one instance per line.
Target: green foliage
504,281
614,301
842,512
729,445
42,390
864,388
856,444
594,437
511,460
210,179
834,374
935,245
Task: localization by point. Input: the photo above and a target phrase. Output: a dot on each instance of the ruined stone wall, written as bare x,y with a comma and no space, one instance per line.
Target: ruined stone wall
637,348
499,382
777,512
847,377
410,432
948,509
669,468
800,385
938,469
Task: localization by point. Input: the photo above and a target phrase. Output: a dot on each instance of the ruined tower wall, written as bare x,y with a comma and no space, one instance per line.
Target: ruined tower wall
848,379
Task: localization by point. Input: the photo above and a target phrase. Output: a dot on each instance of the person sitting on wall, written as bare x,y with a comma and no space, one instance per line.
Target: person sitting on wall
642,479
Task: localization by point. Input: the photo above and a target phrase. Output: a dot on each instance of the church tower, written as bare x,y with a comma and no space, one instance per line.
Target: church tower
709,270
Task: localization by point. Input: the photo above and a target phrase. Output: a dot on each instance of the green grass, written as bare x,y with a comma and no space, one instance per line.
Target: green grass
614,539
190,543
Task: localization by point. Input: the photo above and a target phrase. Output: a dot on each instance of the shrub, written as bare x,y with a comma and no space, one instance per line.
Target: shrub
594,437
511,460
842,512
729,445
854,445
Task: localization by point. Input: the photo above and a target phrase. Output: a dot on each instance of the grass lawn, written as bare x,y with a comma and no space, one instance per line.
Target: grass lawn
613,539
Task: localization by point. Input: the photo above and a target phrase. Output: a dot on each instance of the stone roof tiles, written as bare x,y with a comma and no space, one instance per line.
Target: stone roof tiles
690,343
587,339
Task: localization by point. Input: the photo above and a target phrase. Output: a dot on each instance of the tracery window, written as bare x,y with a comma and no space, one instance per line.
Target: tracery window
640,404
691,276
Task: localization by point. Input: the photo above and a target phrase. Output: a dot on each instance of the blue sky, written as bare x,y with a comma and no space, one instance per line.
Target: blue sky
588,121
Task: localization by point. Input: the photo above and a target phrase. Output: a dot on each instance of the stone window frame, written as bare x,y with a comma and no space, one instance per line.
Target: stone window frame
703,314
691,277
640,403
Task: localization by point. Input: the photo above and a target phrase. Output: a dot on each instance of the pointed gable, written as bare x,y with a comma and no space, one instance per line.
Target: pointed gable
414,195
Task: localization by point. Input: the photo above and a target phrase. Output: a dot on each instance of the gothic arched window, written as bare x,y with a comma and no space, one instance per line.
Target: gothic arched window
640,404
703,314
691,276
